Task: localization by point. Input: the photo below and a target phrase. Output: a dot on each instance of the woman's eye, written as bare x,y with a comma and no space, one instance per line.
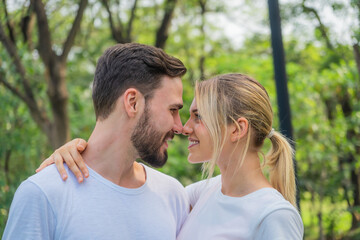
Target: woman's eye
197,116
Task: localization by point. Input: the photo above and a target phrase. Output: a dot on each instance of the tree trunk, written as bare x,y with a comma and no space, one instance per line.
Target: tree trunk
56,71
357,60
202,4
58,96
321,230
6,166
163,31
357,56
356,187
57,130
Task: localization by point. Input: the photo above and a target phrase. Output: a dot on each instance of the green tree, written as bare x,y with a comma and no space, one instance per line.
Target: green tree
54,58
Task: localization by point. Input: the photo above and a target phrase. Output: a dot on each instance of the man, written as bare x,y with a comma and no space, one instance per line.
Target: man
137,94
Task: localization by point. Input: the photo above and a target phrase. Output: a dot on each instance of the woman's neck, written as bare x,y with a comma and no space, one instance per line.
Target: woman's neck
240,181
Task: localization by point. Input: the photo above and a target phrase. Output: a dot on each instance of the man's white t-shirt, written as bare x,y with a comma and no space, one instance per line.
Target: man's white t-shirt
45,207
263,214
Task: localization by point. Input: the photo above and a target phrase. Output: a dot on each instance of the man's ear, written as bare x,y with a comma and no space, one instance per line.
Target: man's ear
239,130
133,101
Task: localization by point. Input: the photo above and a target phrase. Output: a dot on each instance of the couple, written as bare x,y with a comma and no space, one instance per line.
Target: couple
137,94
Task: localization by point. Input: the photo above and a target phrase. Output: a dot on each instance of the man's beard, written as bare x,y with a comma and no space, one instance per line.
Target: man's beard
148,141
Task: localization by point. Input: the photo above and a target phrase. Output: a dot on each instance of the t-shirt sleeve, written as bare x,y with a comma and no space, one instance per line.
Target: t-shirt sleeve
281,224
183,209
30,216
195,190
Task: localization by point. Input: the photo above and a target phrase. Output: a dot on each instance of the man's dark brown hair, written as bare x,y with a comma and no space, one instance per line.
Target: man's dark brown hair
130,65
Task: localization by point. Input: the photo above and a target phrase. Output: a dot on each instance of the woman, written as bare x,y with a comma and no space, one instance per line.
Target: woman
230,118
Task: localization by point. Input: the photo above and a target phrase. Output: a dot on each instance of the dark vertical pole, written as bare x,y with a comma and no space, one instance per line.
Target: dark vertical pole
280,78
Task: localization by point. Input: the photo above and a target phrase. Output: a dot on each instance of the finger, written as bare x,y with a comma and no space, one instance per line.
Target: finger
70,162
60,165
81,145
80,162
45,163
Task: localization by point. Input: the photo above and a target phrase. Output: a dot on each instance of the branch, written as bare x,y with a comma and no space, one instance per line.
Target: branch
118,10
322,27
162,33
8,23
202,4
74,30
131,20
14,90
11,49
29,99
38,114
116,32
357,56
27,26
45,45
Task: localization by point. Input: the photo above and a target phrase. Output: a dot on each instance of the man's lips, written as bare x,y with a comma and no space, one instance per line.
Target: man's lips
166,142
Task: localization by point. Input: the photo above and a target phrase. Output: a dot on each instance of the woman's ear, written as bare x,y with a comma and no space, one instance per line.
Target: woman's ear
132,101
239,129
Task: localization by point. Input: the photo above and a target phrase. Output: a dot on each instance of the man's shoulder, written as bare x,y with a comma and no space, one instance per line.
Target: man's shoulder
171,190
49,181
163,182
48,174
165,179
31,215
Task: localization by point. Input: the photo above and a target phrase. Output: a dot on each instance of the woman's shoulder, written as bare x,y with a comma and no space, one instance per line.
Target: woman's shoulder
206,182
278,218
196,189
204,185
272,200
281,221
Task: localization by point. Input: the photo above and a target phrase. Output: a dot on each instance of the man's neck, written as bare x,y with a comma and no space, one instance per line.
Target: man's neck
111,154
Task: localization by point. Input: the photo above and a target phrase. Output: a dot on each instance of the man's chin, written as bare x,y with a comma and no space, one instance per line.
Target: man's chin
157,162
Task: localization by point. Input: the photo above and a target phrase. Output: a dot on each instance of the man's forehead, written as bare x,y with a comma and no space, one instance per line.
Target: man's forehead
171,87
169,94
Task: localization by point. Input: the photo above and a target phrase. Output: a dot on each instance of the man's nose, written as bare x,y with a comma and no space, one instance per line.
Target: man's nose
178,127
186,129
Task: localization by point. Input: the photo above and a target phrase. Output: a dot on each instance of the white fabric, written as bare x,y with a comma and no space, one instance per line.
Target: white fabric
45,207
263,214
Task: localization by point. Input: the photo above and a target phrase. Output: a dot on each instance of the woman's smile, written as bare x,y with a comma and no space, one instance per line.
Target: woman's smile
193,142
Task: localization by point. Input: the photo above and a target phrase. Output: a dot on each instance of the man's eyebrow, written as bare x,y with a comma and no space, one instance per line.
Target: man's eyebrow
177,106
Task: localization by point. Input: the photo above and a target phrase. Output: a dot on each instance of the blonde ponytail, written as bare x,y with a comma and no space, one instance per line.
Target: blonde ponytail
280,160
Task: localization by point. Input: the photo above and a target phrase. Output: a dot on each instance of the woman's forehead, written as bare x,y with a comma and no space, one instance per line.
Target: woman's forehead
193,105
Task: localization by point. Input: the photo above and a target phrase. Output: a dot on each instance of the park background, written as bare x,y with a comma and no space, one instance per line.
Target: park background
49,49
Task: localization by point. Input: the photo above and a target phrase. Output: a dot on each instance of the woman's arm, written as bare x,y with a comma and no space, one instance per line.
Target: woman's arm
70,154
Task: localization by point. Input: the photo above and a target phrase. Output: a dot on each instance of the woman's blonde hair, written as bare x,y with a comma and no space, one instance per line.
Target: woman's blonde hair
224,99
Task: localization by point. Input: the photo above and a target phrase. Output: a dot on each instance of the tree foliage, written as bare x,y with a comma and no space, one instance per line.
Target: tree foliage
48,54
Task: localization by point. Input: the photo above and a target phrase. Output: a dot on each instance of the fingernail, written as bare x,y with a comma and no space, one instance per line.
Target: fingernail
36,170
64,177
80,179
86,174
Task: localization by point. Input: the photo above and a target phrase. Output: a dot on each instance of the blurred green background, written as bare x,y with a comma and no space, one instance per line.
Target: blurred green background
48,54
